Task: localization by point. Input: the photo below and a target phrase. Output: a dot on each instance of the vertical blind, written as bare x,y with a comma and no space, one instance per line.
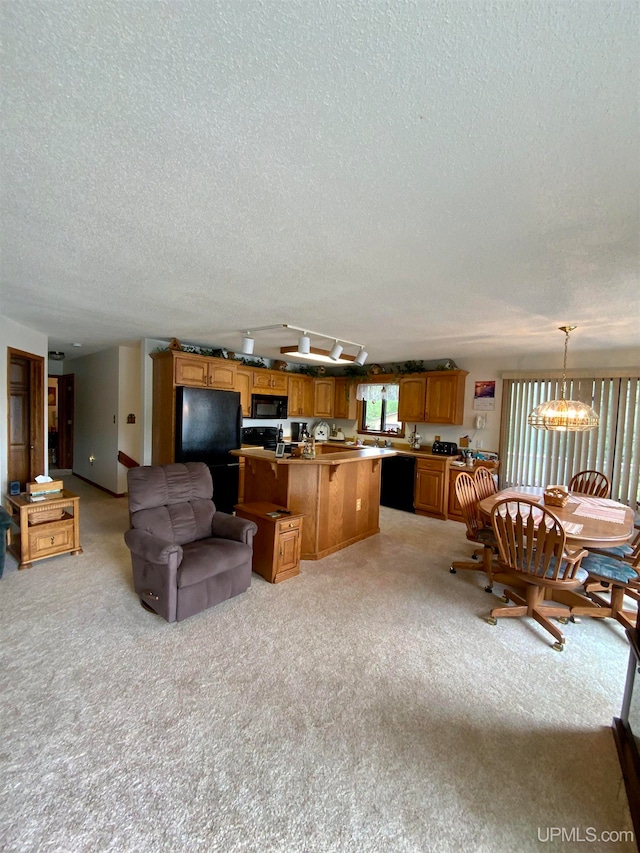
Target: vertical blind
531,457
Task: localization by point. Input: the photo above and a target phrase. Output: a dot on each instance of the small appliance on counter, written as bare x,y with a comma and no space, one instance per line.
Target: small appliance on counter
444,448
321,431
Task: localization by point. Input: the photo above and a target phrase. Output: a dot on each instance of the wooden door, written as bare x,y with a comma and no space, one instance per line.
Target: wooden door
65,420
411,399
243,385
345,406
300,396
25,416
429,494
323,392
192,370
221,375
441,397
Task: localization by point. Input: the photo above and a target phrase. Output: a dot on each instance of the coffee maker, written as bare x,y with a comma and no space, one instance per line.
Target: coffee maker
298,431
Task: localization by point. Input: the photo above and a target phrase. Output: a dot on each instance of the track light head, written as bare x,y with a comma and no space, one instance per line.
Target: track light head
336,351
361,357
304,344
247,344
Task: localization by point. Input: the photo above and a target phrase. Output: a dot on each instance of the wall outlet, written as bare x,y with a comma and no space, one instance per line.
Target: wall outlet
479,444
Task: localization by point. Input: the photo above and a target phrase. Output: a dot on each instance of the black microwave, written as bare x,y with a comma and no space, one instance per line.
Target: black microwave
268,406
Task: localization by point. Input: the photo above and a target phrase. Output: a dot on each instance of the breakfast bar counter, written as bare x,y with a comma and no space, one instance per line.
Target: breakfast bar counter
338,492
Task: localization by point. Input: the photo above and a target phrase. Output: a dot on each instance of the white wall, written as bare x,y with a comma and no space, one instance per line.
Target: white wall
14,335
95,428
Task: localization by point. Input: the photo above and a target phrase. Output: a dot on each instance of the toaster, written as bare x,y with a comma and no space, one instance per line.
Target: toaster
445,448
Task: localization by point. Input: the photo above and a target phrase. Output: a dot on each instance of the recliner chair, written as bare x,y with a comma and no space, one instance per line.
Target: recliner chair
186,556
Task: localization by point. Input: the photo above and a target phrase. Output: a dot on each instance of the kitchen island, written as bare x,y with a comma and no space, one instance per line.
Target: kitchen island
338,492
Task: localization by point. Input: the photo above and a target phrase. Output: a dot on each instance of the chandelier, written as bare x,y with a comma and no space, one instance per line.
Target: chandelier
564,415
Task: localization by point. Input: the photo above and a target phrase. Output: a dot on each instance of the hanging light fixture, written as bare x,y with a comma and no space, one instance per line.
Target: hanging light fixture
564,415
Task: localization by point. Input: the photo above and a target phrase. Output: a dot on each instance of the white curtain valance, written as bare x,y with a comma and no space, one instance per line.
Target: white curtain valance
373,392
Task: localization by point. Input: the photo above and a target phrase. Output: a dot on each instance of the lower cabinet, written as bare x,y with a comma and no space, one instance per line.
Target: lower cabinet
278,540
432,487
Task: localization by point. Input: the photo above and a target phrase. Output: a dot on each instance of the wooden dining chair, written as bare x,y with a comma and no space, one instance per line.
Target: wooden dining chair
610,580
532,549
485,482
590,483
477,531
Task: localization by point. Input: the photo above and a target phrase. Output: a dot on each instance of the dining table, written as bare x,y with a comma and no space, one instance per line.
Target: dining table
588,522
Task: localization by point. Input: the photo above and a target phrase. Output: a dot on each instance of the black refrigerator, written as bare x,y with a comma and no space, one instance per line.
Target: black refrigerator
208,424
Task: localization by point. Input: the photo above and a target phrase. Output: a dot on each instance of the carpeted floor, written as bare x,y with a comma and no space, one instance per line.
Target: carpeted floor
363,706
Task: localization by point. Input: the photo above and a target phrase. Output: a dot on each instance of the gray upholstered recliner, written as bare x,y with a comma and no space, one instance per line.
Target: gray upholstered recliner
186,556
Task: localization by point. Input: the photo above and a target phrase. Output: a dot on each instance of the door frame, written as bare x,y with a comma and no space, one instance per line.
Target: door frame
37,387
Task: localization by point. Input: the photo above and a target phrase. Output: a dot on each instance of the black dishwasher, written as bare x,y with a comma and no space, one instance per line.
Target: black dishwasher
398,478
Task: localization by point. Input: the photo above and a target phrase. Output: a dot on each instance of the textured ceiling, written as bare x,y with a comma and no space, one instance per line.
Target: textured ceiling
429,178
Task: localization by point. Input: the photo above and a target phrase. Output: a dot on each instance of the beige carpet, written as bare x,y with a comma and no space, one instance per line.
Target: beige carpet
363,706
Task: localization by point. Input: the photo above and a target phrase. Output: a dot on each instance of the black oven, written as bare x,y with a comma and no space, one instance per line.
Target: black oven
268,406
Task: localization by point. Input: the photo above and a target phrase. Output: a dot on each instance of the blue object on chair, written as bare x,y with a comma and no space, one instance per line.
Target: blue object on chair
5,523
609,569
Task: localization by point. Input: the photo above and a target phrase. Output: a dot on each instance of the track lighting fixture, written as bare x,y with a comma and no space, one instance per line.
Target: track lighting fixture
305,351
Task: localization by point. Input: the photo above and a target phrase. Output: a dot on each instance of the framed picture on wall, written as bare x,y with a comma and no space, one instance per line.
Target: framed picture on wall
51,396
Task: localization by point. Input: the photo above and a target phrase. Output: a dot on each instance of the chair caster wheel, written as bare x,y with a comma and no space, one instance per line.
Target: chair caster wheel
504,598
488,589
474,556
563,620
575,619
491,620
558,647
452,570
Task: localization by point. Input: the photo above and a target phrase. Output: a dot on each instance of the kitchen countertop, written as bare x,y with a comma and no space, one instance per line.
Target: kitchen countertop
337,458
400,451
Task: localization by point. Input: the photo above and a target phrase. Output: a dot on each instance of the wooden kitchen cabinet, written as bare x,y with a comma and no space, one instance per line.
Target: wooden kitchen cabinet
300,394
244,381
323,397
277,543
345,405
270,382
436,397
411,399
432,487
200,371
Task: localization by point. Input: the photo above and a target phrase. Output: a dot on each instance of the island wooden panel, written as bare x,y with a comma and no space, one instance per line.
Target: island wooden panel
340,502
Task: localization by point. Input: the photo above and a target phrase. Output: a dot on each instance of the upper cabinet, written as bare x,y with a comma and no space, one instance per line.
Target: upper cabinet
270,382
433,398
300,396
244,384
200,371
323,393
345,406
